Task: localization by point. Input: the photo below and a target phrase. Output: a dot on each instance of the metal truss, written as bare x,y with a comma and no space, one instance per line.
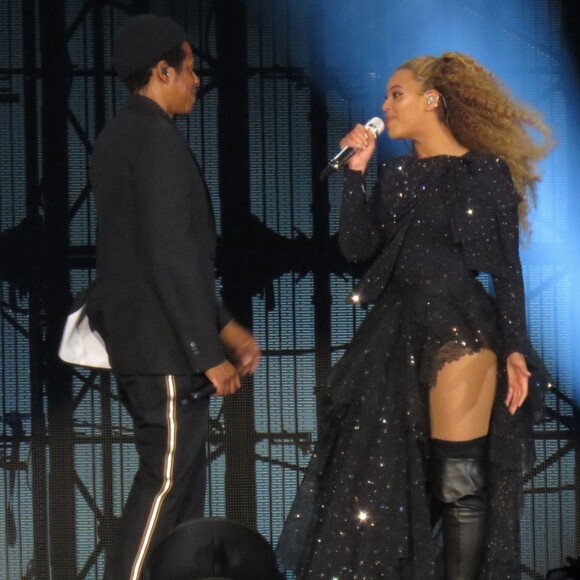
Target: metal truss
36,259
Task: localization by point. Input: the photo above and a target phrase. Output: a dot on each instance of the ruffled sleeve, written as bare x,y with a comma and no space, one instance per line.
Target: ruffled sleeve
485,222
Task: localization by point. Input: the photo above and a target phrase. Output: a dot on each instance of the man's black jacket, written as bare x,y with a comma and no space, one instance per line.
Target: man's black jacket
153,300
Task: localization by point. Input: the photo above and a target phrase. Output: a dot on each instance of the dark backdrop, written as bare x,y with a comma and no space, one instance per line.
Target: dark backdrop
282,81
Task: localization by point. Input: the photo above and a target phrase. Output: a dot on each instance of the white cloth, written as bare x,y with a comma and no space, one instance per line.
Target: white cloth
80,345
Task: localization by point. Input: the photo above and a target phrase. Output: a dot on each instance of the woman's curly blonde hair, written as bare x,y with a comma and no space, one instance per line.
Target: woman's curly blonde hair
483,116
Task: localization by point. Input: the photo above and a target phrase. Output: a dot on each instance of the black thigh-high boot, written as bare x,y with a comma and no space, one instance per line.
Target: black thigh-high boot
458,481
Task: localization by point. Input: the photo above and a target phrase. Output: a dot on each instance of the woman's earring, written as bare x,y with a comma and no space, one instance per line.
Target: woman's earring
432,100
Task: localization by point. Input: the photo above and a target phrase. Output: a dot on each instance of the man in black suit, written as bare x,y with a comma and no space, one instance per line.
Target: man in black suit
154,300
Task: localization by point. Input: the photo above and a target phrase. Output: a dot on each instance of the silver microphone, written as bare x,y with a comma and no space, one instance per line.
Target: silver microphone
376,125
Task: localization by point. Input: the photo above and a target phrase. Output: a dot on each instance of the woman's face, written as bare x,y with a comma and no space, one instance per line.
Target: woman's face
405,106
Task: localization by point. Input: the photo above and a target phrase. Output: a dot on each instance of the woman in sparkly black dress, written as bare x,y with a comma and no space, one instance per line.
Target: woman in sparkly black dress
431,407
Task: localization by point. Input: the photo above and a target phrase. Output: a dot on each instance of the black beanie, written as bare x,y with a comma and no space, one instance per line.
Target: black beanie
142,41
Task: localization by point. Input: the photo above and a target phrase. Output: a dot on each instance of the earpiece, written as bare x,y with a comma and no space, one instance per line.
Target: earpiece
433,100
164,71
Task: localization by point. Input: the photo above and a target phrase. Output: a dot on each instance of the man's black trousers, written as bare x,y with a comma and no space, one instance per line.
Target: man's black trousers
171,427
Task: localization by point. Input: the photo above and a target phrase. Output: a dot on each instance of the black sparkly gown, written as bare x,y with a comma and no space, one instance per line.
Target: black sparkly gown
363,509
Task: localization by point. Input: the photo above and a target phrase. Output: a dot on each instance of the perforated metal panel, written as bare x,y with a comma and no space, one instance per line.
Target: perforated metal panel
282,81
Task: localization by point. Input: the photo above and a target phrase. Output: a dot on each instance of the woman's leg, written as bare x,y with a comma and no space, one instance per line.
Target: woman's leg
460,408
461,400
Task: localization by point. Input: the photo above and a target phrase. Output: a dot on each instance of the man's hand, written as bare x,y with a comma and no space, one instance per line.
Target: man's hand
225,378
242,346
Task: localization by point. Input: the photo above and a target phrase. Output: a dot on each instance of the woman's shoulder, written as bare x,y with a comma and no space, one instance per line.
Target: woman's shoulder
486,162
476,170
489,179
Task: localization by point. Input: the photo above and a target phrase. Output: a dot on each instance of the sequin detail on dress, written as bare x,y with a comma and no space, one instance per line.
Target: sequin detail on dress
363,508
